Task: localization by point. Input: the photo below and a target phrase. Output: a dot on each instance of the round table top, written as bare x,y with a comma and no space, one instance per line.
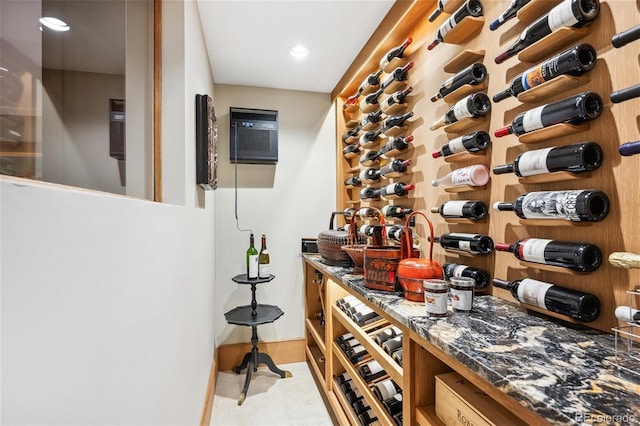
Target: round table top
243,315
242,279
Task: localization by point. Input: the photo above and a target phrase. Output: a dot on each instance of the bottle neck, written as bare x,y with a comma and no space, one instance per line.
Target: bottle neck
500,96
502,284
500,207
503,169
504,247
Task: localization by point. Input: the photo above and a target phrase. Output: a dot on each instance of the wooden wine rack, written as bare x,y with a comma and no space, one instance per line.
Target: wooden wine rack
617,177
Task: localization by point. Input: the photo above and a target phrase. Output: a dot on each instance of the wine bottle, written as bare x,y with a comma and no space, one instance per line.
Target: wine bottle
582,257
627,314
351,100
398,189
351,133
371,371
469,8
354,396
264,265
397,356
386,334
372,79
399,74
394,168
393,405
353,181
462,209
395,120
574,61
575,304
472,142
366,213
475,244
457,270
395,232
367,230
582,205
385,389
576,158
396,98
625,94
396,52
352,343
395,211
371,99
344,377
472,106
356,353
369,137
391,345
569,13
371,118
348,386
476,175
473,75
369,193
351,150
370,158
360,406
440,5
369,175
629,148
509,13
364,315
252,259
575,109
399,143
367,417
346,302
626,37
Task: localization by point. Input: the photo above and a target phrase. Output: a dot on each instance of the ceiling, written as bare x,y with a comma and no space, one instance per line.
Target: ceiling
249,41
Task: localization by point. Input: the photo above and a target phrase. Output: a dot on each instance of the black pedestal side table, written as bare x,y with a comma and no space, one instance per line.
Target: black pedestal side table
252,316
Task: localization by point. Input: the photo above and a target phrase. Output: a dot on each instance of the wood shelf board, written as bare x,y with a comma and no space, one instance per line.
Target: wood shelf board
535,9
463,91
463,59
552,87
462,157
351,155
551,222
555,131
464,188
352,140
317,332
20,154
464,124
426,415
395,109
314,361
553,177
344,403
553,42
351,124
465,29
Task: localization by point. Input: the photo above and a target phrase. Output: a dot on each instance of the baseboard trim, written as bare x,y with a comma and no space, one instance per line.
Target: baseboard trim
281,352
205,419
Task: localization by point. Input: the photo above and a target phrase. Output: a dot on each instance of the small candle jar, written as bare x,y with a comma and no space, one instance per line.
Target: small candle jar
435,297
461,289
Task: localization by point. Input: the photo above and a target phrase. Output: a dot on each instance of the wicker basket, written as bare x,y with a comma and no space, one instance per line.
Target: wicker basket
330,244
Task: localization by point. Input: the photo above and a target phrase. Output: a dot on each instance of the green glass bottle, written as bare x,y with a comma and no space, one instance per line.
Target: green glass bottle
252,260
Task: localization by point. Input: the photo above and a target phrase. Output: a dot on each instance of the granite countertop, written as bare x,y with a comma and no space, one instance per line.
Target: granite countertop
565,375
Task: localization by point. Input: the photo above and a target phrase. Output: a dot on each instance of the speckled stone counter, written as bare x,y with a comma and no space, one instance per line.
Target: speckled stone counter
566,376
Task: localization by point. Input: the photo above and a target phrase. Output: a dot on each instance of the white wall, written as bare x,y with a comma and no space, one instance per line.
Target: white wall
107,302
291,200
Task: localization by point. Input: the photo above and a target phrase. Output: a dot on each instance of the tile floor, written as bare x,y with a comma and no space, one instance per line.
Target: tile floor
270,399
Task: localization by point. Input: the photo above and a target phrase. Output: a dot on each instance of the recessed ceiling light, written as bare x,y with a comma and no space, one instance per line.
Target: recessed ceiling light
54,24
299,51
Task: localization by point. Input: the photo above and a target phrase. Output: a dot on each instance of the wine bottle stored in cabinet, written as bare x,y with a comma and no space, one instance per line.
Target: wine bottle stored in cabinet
629,148
625,94
371,371
395,167
366,213
352,149
396,98
399,143
626,36
476,175
569,13
397,357
582,205
396,52
391,345
462,209
372,79
456,270
367,417
395,211
575,109
371,99
472,142
393,405
385,389
575,304
353,181
395,120
440,5
371,118
399,74
381,336
475,244
398,189
578,256
576,158
473,106
369,158
474,74
369,175
508,13
369,193
469,8
574,61
627,314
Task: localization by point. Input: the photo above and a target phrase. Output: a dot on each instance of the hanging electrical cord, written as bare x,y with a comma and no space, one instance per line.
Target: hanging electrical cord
235,157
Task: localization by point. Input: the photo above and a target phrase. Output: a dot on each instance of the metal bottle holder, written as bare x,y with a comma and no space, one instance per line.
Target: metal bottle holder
627,339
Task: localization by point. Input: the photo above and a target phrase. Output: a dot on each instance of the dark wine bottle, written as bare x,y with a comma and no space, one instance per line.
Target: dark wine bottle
396,52
462,209
574,61
509,13
395,120
576,158
353,181
372,79
354,396
364,315
475,244
369,175
564,301
582,205
393,405
569,13
371,99
575,109
629,148
369,158
351,150
396,98
625,37
391,345
369,137
367,417
469,8
369,193
367,230
396,189
457,270
351,133
474,74
395,232
399,74
396,211
399,143
472,142
360,406
344,377
352,343
366,213
344,303
371,371
371,118
440,5
625,94
582,257
386,334
385,389
394,168
473,106
356,353
397,357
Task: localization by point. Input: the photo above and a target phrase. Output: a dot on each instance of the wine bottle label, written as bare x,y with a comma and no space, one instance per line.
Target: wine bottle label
351,343
537,75
264,270
453,208
461,176
561,16
532,119
358,350
464,245
387,389
374,367
551,205
447,26
533,250
534,162
388,80
456,145
253,266
461,109
458,270
533,292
